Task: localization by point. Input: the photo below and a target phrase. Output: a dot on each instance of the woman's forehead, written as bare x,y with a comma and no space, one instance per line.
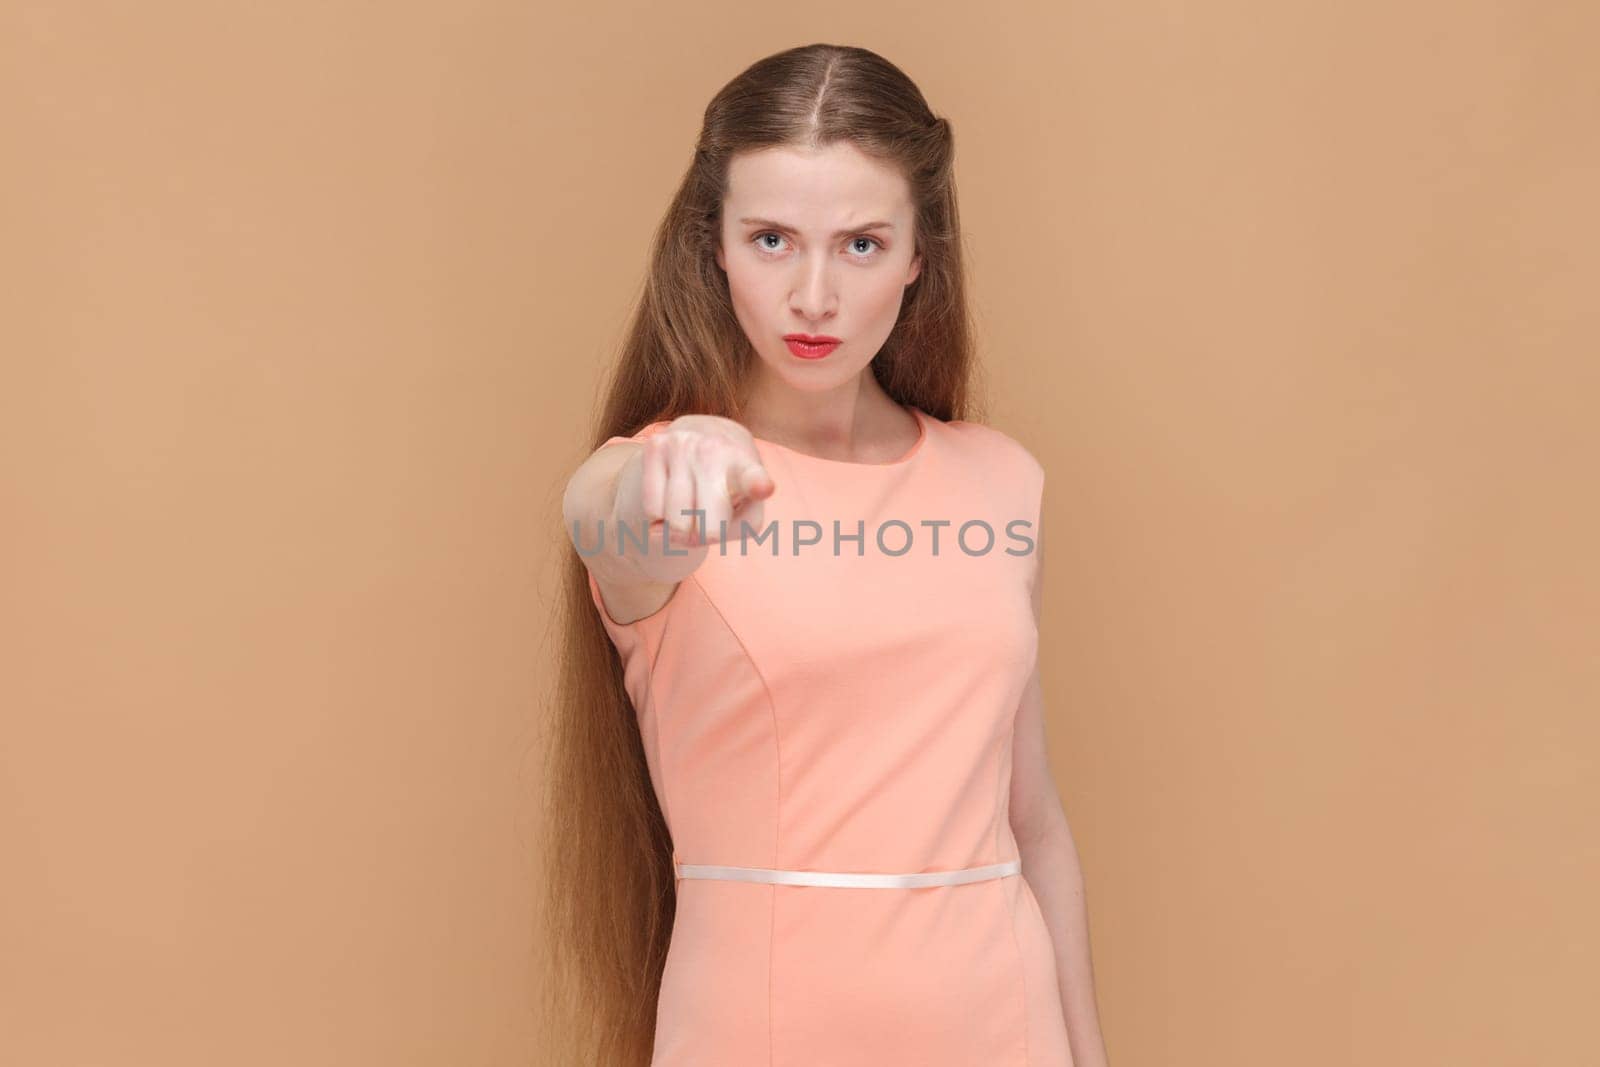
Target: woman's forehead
815,188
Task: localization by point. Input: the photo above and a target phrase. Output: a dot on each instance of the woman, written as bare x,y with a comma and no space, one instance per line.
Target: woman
799,763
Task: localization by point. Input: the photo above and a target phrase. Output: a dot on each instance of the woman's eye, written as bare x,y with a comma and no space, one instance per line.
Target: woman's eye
872,243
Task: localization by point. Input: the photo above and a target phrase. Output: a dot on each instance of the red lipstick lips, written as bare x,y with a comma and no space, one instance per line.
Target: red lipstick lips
810,346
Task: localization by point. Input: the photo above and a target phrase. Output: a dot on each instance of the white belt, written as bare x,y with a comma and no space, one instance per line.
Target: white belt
845,880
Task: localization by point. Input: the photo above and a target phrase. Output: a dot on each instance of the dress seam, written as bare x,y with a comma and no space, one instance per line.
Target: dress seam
650,676
777,811
655,730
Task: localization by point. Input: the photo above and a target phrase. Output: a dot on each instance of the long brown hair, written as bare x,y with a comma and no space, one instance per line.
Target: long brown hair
609,891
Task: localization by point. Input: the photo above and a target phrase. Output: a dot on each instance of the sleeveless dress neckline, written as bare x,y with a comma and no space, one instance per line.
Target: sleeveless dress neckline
831,464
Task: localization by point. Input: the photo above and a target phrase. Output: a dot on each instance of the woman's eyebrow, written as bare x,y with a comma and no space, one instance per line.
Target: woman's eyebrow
769,223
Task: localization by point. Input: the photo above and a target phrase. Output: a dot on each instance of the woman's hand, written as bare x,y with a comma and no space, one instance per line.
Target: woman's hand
703,463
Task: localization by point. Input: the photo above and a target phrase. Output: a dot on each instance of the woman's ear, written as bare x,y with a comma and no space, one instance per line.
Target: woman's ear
916,268
721,264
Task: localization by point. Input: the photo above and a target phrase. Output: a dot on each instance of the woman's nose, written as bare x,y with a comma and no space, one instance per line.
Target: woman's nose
814,296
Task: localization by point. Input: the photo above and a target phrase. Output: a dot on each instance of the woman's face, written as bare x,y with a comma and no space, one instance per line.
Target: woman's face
820,242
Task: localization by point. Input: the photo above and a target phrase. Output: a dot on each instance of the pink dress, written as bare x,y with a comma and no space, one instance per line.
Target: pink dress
852,711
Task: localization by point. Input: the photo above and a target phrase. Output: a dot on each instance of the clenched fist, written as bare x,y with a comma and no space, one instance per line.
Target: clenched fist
703,463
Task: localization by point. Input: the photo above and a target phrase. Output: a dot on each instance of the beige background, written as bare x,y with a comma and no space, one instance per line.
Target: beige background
304,310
